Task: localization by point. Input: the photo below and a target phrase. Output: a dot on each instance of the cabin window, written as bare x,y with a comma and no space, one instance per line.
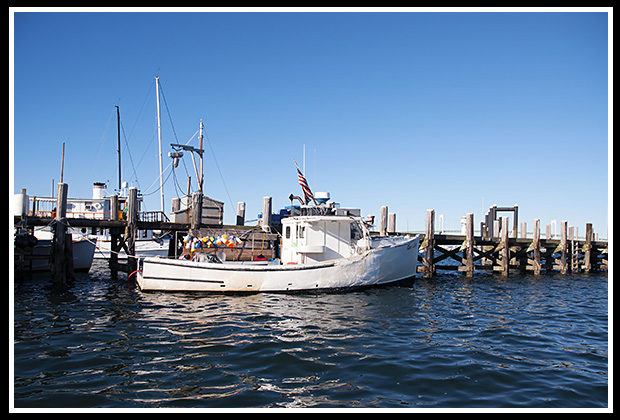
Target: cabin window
300,232
356,232
288,232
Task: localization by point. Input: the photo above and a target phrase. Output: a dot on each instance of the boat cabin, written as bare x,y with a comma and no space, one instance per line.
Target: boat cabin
314,239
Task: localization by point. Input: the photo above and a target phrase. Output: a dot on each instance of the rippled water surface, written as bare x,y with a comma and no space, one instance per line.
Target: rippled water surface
448,342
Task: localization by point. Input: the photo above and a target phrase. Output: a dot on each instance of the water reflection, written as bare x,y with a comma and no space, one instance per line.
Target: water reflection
289,345
451,341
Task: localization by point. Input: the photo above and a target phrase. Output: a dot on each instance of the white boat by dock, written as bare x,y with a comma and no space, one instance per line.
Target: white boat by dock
39,258
148,243
323,248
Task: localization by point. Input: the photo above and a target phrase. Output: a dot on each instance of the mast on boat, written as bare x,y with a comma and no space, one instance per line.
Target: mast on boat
201,179
118,128
161,175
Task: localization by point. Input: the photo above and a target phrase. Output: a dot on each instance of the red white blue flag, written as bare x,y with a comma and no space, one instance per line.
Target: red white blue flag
304,185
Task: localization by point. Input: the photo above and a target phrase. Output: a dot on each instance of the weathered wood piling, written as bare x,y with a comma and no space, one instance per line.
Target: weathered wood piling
62,244
500,250
123,234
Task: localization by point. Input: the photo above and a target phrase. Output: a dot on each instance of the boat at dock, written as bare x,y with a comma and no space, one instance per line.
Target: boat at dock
322,248
149,242
36,246
38,257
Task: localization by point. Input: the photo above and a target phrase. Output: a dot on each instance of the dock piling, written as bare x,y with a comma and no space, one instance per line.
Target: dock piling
536,248
61,252
114,237
468,260
429,241
196,211
563,261
383,220
391,223
587,249
240,213
266,220
505,254
131,230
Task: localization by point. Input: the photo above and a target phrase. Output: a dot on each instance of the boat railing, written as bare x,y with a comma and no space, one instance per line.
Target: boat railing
153,216
46,207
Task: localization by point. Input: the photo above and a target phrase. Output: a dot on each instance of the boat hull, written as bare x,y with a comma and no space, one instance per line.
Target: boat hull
39,259
144,248
377,266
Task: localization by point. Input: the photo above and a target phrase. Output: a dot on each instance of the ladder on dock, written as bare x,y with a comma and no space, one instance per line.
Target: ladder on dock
574,255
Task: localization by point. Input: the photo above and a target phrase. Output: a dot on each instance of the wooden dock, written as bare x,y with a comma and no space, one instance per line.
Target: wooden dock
257,241
502,251
498,248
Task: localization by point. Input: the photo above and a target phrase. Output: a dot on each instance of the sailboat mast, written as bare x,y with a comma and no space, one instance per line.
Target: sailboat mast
161,175
118,128
201,173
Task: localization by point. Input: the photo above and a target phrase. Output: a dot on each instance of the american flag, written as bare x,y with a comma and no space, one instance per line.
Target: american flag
304,185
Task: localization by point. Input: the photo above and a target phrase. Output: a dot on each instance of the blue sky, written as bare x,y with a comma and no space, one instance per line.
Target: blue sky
452,111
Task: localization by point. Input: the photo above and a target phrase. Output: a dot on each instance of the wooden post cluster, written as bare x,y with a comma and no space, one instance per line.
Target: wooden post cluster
124,239
503,250
491,225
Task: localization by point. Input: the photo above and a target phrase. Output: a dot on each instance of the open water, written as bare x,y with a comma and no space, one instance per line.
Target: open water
521,341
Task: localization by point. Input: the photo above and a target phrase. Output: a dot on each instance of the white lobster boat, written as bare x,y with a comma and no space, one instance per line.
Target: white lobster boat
323,248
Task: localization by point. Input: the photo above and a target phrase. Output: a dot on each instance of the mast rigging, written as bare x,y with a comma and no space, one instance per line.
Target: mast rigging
161,177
